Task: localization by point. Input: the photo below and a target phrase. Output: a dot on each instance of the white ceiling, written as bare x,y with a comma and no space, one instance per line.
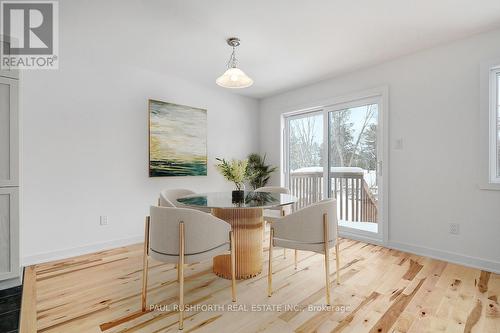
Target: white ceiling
285,43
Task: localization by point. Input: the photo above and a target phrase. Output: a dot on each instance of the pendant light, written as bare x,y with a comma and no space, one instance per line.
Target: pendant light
234,77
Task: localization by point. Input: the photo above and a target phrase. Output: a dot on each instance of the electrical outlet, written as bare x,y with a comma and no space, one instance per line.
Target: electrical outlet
454,228
103,220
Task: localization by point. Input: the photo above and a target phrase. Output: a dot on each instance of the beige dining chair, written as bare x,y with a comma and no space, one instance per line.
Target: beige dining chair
168,198
313,228
184,236
271,214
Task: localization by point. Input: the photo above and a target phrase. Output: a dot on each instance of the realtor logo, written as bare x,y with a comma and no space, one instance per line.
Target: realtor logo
29,31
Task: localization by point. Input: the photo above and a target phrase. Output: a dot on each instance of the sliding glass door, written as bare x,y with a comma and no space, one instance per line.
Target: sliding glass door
336,152
352,161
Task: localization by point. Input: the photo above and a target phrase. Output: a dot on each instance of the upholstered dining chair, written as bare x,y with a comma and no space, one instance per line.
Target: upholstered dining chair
183,236
168,198
272,214
313,228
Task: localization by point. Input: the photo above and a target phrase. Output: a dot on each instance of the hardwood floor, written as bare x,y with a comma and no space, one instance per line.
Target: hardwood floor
381,290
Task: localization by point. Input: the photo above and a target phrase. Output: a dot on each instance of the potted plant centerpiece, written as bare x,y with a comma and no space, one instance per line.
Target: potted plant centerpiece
258,172
235,171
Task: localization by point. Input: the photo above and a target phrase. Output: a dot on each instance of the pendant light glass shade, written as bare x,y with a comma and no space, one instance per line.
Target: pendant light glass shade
234,77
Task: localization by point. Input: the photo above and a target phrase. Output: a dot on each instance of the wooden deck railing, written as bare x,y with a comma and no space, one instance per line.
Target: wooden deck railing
355,201
307,187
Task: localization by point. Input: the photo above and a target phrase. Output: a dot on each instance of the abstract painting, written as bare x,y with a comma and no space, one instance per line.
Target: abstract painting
177,140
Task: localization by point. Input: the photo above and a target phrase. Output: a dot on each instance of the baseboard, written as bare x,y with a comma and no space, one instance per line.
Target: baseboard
77,251
6,284
360,237
487,265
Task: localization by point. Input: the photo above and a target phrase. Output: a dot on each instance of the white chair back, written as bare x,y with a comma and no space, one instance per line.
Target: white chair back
203,233
306,225
276,189
168,198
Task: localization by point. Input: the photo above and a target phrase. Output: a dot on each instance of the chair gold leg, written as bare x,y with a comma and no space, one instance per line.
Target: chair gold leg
270,265
233,266
327,257
284,250
337,261
180,268
145,266
296,258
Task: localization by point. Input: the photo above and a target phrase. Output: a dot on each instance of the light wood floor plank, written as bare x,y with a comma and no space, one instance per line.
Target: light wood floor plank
28,302
381,290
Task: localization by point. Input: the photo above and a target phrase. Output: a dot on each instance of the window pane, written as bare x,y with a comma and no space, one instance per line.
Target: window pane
498,125
306,143
352,146
305,158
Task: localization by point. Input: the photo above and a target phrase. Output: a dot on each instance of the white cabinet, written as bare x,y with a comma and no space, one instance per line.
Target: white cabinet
9,132
7,72
9,232
9,173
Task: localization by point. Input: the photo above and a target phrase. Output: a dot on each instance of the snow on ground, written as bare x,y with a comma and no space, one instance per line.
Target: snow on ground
366,226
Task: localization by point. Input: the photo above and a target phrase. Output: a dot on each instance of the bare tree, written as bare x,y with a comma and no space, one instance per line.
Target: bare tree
305,150
368,117
341,131
345,149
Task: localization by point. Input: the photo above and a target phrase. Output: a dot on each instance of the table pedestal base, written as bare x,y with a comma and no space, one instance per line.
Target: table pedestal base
247,229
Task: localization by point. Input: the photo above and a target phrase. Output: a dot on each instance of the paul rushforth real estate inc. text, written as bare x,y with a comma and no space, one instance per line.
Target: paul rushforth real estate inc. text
250,307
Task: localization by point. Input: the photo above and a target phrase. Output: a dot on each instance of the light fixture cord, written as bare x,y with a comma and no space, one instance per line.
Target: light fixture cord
233,62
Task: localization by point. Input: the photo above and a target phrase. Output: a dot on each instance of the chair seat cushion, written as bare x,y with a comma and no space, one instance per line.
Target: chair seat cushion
271,215
292,244
189,258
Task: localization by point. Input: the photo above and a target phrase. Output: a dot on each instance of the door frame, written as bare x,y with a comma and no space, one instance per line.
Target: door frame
379,95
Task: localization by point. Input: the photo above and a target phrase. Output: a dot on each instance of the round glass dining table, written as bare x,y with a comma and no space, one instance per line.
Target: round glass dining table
246,219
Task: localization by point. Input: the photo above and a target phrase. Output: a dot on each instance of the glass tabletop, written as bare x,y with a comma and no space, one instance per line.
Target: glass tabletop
225,200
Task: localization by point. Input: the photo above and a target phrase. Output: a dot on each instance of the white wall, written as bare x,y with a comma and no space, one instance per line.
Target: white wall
85,141
85,145
434,107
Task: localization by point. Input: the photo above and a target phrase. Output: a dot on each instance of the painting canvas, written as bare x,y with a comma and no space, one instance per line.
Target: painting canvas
177,140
